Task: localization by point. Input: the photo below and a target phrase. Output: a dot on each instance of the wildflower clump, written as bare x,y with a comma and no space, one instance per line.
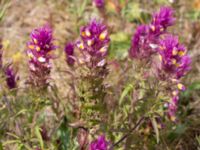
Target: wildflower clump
88,57
93,47
39,50
175,63
146,37
129,101
153,41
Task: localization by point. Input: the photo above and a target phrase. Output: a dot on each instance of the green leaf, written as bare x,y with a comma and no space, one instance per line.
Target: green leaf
125,92
193,15
155,127
132,11
20,146
161,2
13,135
1,146
64,135
119,46
10,142
119,37
198,139
38,134
3,7
192,87
180,129
21,112
195,86
82,8
27,147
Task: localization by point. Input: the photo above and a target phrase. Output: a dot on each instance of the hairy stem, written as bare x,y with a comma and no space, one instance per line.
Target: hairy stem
128,134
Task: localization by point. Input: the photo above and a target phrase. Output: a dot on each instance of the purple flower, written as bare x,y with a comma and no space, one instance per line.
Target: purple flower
173,56
42,38
99,144
169,49
94,41
10,77
184,67
140,45
41,45
162,19
69,51
44,133
175,100
181,87
39,53
172,108
146,37
99,3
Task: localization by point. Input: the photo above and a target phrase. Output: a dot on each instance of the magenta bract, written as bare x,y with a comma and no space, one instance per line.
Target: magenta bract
99,144
99,3
146,37
10,77
95,39
39,53
162,19
173,56
69,51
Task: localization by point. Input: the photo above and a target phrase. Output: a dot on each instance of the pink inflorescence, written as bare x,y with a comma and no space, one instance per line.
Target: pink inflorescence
69,52
161,20
146,37
94,41
11,77
173,56
174,62
99,3
39,53
140,46
99,144
172,106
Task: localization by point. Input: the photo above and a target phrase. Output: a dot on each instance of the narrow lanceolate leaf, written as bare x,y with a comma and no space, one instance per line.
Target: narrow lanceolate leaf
21,112
82,8
1,146
20,146
127,89
38,134
13,135
155,127
10,142
64,136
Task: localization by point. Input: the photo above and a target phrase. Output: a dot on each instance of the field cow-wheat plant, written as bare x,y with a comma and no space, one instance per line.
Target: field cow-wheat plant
79,95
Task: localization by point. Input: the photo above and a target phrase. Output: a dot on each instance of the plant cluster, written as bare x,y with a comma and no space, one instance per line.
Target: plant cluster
97,114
